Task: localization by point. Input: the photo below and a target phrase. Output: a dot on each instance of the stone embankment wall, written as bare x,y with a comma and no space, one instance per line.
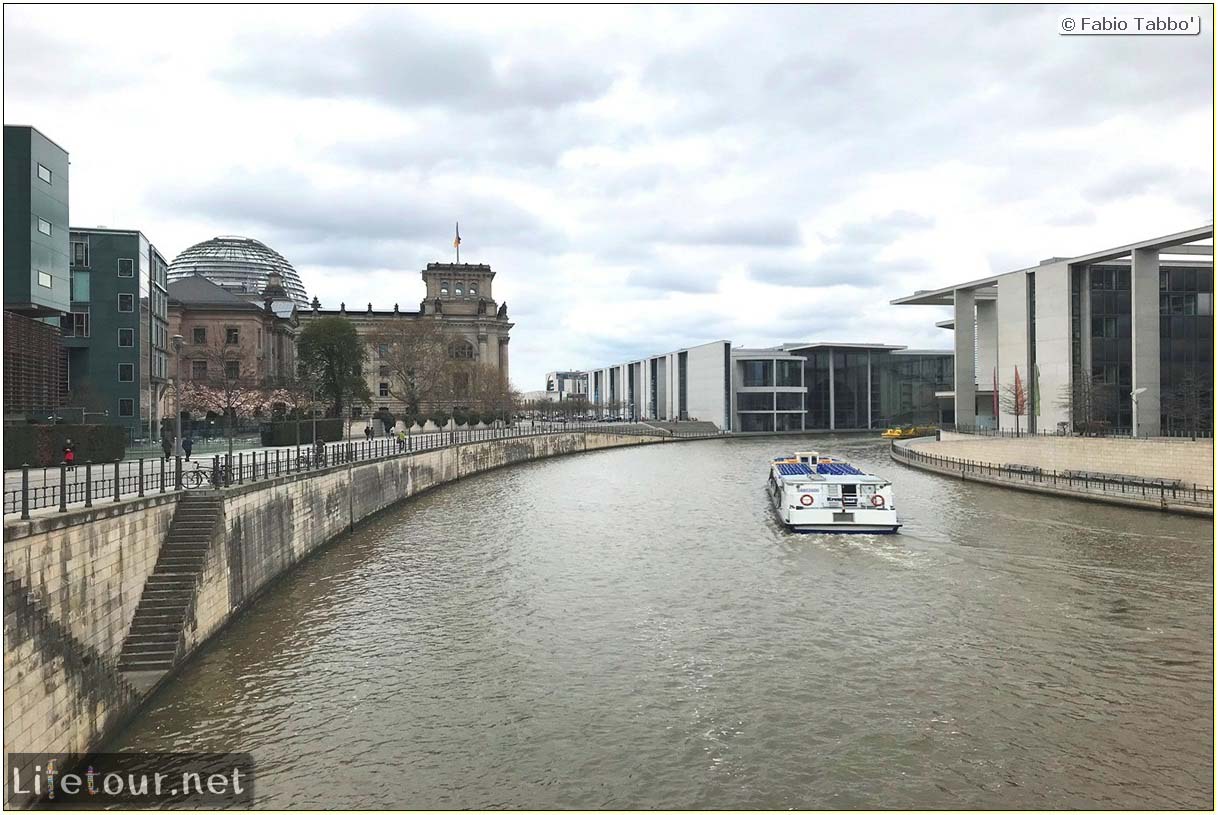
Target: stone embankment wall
72,581
1181,459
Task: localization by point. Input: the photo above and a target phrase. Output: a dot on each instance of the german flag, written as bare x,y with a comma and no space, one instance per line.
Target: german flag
457,239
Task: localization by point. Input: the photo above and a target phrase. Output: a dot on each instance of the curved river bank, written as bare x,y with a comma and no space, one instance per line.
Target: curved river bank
633,629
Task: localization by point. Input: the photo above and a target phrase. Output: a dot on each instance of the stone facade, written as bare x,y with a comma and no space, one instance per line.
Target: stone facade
460,296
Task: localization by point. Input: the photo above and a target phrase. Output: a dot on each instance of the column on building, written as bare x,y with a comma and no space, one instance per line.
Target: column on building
1144,281
966,359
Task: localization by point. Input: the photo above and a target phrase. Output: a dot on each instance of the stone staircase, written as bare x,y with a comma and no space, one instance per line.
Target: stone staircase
154,639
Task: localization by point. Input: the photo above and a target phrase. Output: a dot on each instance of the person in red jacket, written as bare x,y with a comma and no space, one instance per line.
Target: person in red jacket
69,454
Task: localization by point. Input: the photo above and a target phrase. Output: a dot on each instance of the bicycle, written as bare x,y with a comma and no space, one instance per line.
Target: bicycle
201,476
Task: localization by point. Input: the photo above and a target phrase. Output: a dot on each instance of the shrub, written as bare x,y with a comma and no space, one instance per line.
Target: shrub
41,445
489,418
440,418
283,434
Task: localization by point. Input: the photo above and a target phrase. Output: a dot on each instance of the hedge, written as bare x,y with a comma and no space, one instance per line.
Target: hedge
41,445
283,434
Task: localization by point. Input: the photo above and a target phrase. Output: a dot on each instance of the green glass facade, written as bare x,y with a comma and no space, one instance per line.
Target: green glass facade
35,224
117,331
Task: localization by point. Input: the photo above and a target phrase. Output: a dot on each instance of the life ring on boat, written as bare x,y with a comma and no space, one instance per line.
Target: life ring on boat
877,500
806,500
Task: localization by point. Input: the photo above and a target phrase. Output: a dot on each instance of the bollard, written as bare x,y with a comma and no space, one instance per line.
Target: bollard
88,483
25,492
177,473
117,466
276,463
141,478
215,472
241,468
63,488
162,475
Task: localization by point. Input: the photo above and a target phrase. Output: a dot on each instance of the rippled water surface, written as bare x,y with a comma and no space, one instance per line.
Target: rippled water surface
632,628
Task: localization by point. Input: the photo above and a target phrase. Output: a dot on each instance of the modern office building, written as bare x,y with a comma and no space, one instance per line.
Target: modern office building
459,297
563,385
116,333
1119,340
36,283
791,387
240,265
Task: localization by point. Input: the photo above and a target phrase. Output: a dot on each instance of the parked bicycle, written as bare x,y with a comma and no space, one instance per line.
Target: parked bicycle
201,477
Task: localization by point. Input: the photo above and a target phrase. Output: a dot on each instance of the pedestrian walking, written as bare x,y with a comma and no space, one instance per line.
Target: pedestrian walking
69,454
187,445
401,441
368,432
166,443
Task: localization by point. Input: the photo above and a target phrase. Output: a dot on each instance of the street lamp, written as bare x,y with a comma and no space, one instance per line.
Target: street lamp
178,341
1133,395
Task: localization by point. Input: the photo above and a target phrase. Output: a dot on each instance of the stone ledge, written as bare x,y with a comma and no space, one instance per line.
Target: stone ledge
36,525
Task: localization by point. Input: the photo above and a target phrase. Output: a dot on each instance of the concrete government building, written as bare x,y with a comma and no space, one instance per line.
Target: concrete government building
794,386
1134,324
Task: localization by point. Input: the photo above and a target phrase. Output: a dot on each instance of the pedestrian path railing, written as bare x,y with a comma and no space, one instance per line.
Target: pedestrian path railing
1205,435
93,483
1165,490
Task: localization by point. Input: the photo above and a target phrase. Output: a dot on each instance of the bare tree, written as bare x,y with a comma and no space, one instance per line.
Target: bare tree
1086,400
1188,403
228,387
416,352
1013,399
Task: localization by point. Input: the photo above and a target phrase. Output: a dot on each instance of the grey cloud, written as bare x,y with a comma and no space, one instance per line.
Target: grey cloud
396,59
679,280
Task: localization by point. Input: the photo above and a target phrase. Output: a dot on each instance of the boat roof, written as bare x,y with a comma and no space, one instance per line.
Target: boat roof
790,470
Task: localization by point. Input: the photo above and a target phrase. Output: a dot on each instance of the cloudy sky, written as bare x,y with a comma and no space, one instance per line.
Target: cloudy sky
640,179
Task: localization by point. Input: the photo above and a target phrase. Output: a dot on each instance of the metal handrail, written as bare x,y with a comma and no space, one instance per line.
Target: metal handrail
1071,480
88,482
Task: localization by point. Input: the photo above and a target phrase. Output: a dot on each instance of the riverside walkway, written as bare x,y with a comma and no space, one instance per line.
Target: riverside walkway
42,490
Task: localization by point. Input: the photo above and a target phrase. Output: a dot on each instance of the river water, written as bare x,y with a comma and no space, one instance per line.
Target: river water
633,629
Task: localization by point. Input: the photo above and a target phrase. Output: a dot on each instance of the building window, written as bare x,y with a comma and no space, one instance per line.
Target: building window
126,372
232,369
461,350
75,324
126,407
356,411
45,280
80,253
198,335
473,289
44,226
457,291
198,369
444,287
758,373
787,373
44,173
126,302
789,401
126,267
126,338
383,390
755,401
384,370
382,350
80,287
232,336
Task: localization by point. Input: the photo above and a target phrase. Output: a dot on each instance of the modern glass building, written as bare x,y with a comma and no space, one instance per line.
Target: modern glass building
35,272
117,331
239,265
1115,341
791,387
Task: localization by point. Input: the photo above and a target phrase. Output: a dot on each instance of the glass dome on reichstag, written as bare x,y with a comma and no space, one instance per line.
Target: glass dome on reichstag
239,265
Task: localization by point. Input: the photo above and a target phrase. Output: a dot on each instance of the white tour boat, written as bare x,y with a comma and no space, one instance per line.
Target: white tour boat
818,493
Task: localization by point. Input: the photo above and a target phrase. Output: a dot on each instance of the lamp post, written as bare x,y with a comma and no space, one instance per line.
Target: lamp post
178,341
1133,395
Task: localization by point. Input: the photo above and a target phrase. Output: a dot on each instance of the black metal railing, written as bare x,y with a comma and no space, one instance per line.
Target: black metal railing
92,483
973,430
1073,480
